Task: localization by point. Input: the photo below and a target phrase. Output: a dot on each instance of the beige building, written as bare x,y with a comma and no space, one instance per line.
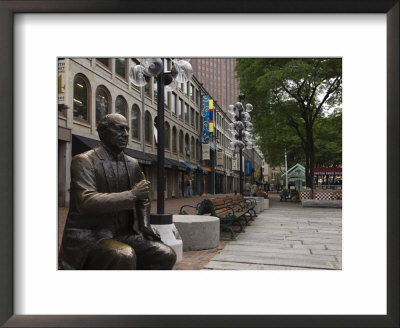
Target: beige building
89,88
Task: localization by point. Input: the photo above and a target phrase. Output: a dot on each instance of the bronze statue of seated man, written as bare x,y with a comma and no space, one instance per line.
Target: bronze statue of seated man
108,224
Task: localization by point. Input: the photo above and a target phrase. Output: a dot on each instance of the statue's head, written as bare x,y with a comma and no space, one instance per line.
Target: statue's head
113,131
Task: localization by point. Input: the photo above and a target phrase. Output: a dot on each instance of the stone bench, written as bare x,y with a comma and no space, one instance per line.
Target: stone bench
197,231
321,203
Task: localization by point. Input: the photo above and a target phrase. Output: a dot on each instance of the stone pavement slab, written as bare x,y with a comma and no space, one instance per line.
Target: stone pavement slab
215,265
287,236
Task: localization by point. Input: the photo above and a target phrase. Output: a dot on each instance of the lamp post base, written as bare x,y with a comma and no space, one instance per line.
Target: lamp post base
160,219
164,225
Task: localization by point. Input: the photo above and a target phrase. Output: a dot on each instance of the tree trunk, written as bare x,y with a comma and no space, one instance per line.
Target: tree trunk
310,157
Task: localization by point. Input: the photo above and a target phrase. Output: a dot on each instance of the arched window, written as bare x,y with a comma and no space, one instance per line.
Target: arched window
155,131
135,122
148,127
120,106
192,148
102,103
174,135
166,135
197,149
181,142
187,145
81,98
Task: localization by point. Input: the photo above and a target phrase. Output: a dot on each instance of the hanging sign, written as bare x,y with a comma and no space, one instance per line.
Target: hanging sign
211,115
205,108
235,163
206,151
220,158
61,81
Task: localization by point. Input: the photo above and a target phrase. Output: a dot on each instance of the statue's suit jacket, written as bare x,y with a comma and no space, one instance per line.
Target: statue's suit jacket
95,203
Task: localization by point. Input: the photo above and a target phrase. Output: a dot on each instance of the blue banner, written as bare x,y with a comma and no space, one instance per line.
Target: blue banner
248,167
205,108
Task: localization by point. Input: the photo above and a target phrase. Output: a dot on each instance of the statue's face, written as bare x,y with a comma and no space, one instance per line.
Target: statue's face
117,134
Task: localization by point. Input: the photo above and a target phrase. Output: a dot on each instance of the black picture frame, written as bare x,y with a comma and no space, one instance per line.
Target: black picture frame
7,11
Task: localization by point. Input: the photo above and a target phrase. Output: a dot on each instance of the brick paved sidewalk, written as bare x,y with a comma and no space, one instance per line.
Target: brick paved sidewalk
192,260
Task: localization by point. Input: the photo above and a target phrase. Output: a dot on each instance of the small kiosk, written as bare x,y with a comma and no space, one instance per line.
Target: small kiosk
296,176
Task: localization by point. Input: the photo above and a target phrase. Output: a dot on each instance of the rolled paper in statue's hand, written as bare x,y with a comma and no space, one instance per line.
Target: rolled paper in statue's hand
144,178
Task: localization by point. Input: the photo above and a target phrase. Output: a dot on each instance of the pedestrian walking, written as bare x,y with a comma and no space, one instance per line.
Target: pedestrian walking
188,188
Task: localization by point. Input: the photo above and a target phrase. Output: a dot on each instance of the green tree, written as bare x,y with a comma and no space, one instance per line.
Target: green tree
328,140
290,97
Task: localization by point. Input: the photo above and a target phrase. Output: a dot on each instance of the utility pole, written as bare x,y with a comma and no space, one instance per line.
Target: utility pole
286,171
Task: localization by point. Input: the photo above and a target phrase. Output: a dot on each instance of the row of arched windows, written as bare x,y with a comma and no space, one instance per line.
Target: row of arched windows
81,109
188,148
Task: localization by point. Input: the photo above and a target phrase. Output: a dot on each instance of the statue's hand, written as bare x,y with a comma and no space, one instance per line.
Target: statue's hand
149,233
141,189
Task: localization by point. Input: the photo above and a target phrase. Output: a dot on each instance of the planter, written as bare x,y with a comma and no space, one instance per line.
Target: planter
198,231
266,203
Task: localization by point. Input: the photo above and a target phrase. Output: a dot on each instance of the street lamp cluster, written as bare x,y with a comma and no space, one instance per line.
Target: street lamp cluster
240,129
181,72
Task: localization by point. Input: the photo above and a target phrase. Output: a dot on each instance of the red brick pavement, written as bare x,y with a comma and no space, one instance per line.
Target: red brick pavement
192,260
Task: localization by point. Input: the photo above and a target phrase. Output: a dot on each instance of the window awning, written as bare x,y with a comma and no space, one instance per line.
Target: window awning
207,168
187,165
168,163
204,171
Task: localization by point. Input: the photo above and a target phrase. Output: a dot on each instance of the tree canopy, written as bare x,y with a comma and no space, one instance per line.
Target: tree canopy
296,108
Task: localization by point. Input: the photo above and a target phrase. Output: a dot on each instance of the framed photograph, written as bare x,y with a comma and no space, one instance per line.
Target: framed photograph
33,34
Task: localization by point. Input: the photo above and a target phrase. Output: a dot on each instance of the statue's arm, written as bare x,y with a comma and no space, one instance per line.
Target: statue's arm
142,205
87,198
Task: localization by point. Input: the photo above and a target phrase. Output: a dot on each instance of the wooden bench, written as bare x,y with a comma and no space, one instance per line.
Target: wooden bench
229,210
248,203
194,210
213,207
240,208
225,212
